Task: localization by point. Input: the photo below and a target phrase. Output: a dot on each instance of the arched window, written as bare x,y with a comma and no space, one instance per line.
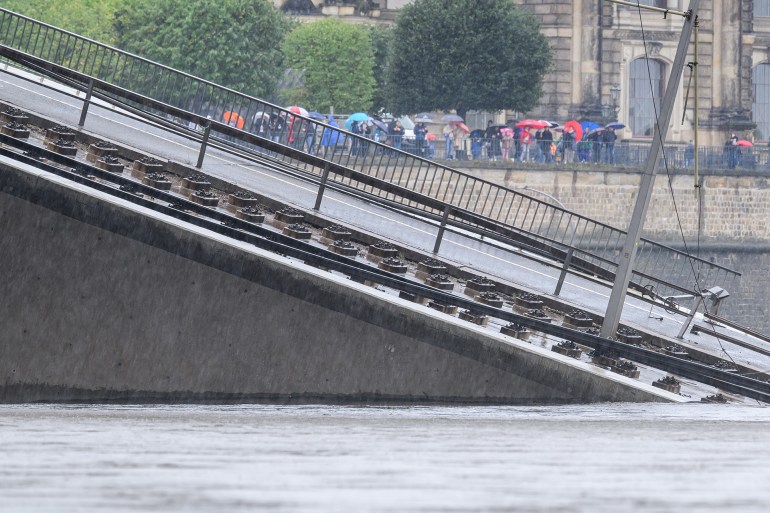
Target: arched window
760,104
645,90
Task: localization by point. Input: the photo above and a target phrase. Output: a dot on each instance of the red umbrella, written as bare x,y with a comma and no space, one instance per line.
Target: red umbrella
533,123
233,119
298,110
576,127
744,142
462,126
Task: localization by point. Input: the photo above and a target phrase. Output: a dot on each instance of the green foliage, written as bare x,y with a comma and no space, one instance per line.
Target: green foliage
335,60
381,36
466,55
89,18
235,43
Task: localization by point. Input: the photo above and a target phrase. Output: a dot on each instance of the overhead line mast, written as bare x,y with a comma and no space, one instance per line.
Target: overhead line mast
628,254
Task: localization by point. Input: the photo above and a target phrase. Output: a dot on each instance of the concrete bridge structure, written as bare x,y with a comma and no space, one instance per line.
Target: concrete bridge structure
111,295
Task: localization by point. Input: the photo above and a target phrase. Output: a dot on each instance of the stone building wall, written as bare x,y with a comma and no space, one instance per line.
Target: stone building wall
730,209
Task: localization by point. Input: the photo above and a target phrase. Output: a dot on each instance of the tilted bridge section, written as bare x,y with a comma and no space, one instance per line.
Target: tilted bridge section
401,179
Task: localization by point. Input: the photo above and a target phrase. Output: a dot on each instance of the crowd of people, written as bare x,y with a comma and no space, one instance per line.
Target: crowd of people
544,145
562,145
496,142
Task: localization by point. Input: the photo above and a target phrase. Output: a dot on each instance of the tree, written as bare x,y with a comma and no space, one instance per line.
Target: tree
234,43
466,54
335,61
381,36
89,18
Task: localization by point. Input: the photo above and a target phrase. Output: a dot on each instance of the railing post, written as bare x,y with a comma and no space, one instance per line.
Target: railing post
86,103
564,269
324,177
204,143
441,229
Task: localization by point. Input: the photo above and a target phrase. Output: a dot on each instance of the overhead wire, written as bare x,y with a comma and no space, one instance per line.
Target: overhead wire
658,133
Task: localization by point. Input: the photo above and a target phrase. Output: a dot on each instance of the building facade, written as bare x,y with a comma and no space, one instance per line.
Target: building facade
611,62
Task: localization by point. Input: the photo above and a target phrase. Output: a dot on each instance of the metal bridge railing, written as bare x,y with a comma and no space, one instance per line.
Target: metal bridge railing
594,242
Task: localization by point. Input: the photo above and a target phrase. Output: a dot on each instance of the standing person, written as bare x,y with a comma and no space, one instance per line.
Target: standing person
397,134
492,135
448,132
458,139
506,143
420,131
596,149
546,139
731,148
276,127
367,133
331,136
526,142
568,146
516,143
538,141
355,129
608,138
689,154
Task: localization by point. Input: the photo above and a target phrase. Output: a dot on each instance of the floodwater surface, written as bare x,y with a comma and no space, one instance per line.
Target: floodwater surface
599,458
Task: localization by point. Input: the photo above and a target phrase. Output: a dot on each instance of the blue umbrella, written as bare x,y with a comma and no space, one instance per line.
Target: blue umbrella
382,126
316,115
589,125
358,116
615,125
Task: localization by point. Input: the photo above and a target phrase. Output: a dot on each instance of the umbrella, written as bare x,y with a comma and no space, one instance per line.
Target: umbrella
532,123
382,126
588,126
594,134
233,119
431,137
744,142
615,125
451,117
477,134
406,123
298,110
576,127
261,115
358,116
316,115
549,124
424,117
461,125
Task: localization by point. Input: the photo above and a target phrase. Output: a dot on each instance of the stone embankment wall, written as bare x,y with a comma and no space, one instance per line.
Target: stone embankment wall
730,209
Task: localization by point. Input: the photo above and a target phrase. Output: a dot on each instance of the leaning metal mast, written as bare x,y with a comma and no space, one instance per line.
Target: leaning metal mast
625,266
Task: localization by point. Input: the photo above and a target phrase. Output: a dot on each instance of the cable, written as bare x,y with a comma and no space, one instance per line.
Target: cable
695,274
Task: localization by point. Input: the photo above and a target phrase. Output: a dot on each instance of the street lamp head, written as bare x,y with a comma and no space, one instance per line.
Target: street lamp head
615,92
